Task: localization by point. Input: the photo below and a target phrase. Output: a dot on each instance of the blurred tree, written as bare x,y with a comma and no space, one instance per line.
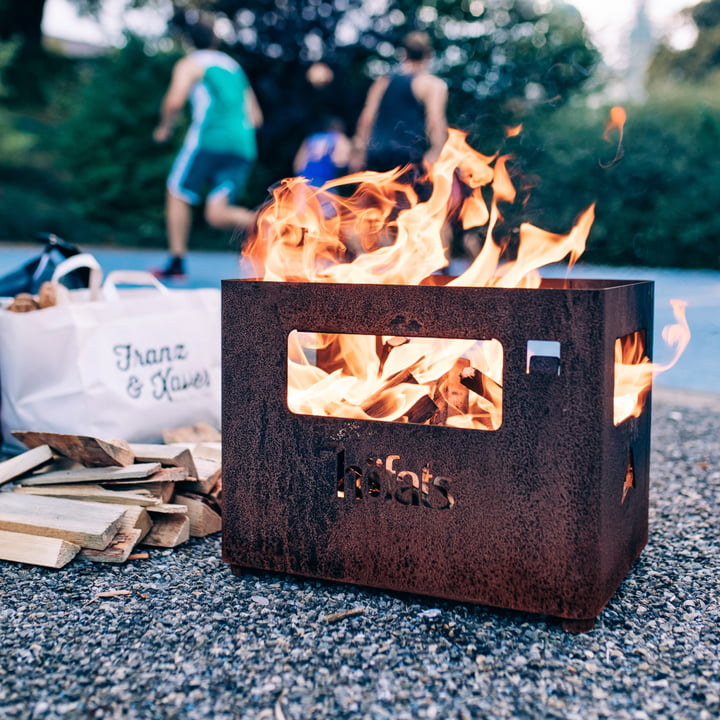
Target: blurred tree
313,58
499,57
33,70
112,167
698,61
656,199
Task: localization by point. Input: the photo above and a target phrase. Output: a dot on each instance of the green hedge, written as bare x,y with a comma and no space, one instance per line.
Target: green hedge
656,205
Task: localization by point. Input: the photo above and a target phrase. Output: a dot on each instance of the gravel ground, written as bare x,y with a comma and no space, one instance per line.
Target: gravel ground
191,640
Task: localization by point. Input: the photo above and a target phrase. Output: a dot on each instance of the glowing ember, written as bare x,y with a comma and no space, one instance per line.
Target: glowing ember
381,228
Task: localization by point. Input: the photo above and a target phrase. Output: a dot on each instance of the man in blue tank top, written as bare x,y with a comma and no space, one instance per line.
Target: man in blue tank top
403,120
219,149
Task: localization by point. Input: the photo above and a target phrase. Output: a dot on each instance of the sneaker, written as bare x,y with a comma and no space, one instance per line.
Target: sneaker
174,270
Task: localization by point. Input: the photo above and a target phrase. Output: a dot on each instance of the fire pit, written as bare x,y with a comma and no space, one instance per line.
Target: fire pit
545,514
483,438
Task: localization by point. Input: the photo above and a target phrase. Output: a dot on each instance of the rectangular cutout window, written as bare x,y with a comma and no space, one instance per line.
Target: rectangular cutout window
543,357
422,381
633,376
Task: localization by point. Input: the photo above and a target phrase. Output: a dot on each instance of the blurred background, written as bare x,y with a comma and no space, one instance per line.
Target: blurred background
81,83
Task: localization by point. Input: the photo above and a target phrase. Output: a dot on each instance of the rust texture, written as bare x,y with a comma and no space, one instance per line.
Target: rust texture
529,517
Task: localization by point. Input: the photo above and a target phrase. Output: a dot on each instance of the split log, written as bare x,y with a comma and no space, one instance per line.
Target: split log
167,509
375,404
161,491
384,349
204,514
168,530
88,524
472,379
208,479
450,395
36,550
92,493
161,475
24,463
93,475
421,411
200,432
118,551
89,451
135,525
207,451
175,455
479,383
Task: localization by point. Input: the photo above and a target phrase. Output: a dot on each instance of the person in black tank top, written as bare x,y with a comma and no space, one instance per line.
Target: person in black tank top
403,120
398,136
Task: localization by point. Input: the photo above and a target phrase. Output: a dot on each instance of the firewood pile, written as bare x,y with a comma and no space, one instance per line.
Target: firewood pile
73,496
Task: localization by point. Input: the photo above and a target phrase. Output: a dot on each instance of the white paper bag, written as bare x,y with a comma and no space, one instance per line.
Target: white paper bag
125,366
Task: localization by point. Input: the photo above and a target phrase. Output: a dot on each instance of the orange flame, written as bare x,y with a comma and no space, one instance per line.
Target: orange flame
375,228
634,371
616,121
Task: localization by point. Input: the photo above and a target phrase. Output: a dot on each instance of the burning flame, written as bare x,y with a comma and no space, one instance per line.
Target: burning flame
616,122
375,228
633,369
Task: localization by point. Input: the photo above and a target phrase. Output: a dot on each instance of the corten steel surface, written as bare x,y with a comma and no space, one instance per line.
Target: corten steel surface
536,521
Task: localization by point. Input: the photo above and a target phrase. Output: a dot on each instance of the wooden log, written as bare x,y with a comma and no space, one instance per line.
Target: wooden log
88,524
384,349
472,379
36,549
93,475
118,551
479,383
450,395
161,491
208,479
200,432
168,530
167,509
89,451
135,525
168,475
421,411
24,463
207,451
204,514
375,404
92,493
175,455
140,519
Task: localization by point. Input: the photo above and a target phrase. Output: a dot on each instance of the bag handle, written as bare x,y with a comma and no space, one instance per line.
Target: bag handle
130,277
75,262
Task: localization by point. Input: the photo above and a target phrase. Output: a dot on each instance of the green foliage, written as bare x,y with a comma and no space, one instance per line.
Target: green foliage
656,205
694,63
499,58
114,170
13,141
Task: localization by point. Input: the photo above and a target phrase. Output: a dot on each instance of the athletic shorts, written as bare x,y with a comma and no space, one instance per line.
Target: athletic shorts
204,173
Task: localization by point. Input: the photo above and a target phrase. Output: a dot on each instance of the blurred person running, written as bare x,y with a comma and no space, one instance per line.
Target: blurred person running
220,146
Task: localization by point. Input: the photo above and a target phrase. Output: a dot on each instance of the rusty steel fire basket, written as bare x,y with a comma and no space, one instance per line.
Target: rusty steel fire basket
545,514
